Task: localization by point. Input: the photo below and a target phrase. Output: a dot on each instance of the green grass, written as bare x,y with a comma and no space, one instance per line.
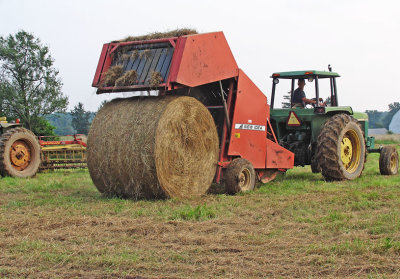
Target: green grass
58,225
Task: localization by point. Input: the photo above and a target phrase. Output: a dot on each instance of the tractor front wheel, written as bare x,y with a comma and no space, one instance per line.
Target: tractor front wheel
240,176
19,153
341,148
389,161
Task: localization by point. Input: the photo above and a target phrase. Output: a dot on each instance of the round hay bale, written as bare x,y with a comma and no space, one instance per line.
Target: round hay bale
153,148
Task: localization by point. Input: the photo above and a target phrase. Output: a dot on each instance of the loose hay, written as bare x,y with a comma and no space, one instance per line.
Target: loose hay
145,53
135,54
129,78
153,148
155,79
125,57
111,76
160,35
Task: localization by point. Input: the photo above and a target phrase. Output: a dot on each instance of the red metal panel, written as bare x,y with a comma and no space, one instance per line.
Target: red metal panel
251,110
176,59
99,68
278,157
223,156
206,58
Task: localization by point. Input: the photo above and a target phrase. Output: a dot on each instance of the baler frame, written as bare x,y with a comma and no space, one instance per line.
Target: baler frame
203,62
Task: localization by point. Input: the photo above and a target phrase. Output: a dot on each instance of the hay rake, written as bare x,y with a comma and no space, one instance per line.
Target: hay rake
62,154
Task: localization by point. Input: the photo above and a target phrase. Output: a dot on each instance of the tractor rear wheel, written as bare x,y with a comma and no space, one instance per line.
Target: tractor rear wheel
389,161
341,148
240,176
19,153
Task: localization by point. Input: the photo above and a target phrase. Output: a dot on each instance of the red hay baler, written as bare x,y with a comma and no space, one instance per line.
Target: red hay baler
202,66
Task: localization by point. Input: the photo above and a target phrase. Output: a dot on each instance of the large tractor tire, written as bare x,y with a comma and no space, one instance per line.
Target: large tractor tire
341,150
19,153
389,161
240,176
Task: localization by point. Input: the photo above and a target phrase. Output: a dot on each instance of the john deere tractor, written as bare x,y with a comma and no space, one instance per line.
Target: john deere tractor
332,139
19,150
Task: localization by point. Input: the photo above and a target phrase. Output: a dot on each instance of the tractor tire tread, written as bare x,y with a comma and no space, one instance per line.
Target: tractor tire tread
5,166
384,160
327,145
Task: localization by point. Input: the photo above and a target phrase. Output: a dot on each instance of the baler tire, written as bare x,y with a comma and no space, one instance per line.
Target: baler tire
240,176
338,135
27,139
389,161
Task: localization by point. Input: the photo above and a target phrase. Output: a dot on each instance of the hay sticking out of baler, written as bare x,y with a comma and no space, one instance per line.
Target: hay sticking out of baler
129,78
160,35
155,79
153,148
145,53
111,76
135,54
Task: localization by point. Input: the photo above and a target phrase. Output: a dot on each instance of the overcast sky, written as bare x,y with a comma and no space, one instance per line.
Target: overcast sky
359,38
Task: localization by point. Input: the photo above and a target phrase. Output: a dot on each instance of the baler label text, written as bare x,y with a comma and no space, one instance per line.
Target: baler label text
250,127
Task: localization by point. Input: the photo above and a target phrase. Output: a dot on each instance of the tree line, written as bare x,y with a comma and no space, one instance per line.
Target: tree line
31,90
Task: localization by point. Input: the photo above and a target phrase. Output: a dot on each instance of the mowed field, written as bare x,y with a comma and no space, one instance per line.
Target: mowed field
57,225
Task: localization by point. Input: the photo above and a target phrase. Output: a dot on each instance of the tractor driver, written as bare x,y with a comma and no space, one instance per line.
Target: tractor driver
299,97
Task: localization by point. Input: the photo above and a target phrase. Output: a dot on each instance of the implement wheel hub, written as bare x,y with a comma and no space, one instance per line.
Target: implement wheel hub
244,179
20,155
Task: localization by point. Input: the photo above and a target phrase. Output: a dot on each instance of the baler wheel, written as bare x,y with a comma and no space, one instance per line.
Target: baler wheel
19,153
240,176
389,161
341,150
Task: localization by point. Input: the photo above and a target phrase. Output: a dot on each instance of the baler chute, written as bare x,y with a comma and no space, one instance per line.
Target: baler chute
200,66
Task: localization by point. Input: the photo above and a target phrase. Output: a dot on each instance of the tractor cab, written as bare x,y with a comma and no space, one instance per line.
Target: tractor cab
311,77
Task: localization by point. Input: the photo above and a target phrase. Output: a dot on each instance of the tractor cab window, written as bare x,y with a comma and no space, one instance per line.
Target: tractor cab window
283,94
303,92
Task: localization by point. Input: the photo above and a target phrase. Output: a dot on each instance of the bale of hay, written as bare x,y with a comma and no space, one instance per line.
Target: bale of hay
159,35
111,76
153,148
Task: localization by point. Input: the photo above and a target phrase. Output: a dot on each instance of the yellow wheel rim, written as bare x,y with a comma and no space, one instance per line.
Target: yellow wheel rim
393,163
20,155
351,151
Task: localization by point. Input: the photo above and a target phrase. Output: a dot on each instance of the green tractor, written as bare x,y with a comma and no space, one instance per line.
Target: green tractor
19,150
332,139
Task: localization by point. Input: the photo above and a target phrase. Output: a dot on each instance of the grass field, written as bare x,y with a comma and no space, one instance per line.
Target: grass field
58,226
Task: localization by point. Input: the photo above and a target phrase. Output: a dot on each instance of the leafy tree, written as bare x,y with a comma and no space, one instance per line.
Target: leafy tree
328,101
44,128
102,104
80,119
287,103
393,109
375,118
29,83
